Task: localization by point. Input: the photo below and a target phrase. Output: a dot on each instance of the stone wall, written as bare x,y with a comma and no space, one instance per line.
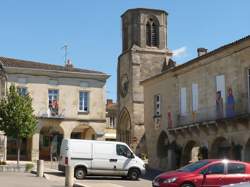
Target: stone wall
233,62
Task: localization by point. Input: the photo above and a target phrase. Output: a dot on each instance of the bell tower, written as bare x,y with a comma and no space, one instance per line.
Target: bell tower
144,49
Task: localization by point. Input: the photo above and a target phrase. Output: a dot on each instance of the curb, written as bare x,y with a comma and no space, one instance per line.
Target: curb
79,185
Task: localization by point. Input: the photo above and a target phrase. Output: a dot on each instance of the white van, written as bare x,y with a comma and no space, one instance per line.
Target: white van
90,157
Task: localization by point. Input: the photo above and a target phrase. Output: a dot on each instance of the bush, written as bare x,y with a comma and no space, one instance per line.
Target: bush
2,162
29,167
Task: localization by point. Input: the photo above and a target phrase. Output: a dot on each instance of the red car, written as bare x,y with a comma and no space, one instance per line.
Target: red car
205,173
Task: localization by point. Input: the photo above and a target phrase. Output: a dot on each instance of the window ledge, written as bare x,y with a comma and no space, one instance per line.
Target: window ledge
82,112
157,116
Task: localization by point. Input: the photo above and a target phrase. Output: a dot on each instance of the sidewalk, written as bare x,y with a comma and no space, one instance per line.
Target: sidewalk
20,179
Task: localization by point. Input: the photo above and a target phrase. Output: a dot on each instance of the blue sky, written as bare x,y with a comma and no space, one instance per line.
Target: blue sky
36,30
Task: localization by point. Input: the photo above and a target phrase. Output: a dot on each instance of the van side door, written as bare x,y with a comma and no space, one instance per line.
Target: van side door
104,158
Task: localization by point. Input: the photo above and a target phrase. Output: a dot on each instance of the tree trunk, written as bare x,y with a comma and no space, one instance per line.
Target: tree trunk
19,141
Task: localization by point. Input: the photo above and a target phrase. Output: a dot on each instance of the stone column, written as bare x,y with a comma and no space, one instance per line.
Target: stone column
171,160
69,176
35,147
40,168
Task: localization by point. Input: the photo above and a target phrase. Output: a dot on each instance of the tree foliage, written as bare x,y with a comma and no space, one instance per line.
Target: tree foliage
16,113
16,117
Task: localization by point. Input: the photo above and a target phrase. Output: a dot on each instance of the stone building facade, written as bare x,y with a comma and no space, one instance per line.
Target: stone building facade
144,49
68,103
3,79
3,138
111,119
200,109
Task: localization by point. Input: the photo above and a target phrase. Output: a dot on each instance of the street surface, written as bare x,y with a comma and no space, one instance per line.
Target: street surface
103,181
55,178
19,179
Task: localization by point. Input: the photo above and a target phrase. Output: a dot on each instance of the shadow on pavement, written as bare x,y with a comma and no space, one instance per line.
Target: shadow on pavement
151,174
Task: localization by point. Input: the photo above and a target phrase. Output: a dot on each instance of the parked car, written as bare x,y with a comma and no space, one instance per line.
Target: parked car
90,157
242,184
205,173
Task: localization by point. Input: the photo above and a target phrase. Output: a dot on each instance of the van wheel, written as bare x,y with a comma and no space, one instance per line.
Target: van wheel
80,173
187,185
133,174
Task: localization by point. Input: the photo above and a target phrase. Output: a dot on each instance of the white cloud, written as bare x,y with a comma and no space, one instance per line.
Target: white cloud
181,52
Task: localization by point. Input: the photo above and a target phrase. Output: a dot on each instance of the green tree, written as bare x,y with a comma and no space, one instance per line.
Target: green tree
16,117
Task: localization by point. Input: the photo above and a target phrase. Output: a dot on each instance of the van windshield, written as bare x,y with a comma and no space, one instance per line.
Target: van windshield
194,166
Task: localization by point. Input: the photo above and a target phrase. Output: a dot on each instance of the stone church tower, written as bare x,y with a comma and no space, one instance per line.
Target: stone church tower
144,41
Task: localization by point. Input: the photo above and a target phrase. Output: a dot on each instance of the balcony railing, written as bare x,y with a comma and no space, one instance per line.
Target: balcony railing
47,114
211,114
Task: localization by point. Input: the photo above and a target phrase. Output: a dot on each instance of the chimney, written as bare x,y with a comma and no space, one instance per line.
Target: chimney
69,65
201,51
109,102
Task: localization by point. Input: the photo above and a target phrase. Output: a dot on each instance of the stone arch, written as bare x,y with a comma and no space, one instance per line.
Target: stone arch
247,151
50,140
162,150
162,145
221,148
190,152
125,126
83,132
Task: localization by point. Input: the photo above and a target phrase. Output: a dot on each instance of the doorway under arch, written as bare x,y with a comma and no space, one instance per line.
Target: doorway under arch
125,126
50,142
190,152
221,148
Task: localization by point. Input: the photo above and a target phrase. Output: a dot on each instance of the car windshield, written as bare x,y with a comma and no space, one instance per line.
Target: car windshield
194,166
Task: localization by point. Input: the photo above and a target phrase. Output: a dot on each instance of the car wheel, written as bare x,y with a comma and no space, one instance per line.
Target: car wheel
80,173
133,174
187,185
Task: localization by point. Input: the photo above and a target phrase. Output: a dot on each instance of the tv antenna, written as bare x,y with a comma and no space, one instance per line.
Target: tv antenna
65,47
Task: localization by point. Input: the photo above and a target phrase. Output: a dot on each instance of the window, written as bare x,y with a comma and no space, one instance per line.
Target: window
216,169
183,104
83,101
157,104
234,168
22,91
152,33
53,102
194,166
122,150
195,97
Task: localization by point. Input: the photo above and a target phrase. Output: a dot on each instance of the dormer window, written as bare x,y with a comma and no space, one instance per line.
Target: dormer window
152,33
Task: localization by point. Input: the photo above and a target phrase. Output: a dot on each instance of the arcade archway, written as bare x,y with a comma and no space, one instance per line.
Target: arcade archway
221,148
125,126
83,132
50,142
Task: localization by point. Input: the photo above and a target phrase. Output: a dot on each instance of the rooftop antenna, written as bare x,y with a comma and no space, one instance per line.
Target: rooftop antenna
65,47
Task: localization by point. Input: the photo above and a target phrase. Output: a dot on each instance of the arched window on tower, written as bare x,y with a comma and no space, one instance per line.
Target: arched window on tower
152,33
148,34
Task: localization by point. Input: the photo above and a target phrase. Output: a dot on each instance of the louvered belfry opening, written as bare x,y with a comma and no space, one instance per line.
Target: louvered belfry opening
152,33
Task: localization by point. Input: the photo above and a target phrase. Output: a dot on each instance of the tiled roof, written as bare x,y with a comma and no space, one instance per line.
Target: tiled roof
11,62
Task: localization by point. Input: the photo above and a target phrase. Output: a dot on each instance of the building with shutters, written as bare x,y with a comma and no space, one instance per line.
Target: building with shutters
200,109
